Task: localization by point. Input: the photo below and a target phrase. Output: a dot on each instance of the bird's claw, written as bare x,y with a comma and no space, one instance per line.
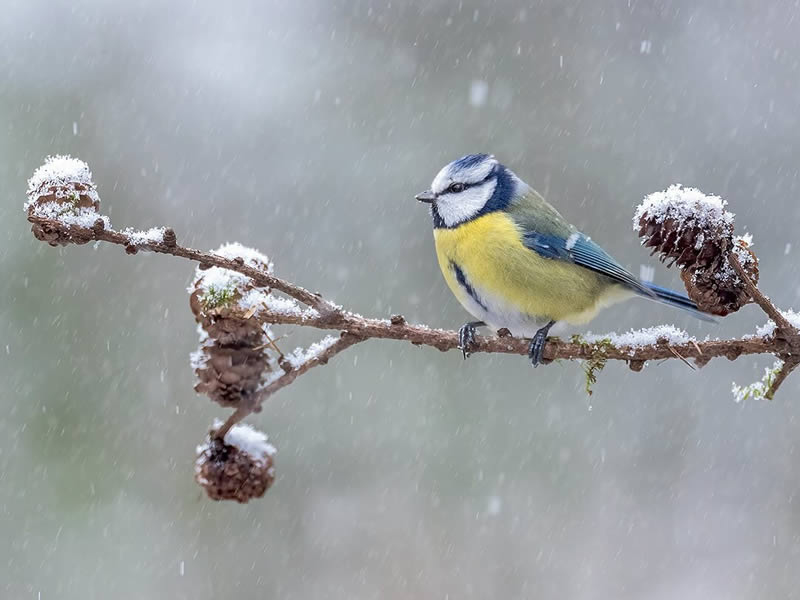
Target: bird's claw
466,338
536,349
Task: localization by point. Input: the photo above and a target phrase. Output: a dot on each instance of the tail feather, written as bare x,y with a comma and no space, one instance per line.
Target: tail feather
678,300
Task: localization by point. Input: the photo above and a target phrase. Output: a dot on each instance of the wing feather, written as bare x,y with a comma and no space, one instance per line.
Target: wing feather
582,251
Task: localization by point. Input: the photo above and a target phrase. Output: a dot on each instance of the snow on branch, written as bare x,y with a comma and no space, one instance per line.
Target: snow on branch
236,299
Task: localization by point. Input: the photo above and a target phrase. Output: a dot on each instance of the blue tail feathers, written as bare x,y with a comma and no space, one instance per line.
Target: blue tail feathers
678,300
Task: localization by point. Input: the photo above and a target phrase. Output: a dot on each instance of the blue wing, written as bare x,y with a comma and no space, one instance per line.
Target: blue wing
582,251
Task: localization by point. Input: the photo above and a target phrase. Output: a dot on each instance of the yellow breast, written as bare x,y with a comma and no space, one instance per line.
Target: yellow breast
508,276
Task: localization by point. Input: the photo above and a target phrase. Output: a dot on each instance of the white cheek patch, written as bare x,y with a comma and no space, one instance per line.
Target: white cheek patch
457,208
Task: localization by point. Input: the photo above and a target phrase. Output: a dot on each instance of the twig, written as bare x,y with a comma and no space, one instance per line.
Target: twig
206,259
765,303
291,373
789,365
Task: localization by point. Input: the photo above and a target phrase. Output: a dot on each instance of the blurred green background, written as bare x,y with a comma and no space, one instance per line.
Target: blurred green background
304,129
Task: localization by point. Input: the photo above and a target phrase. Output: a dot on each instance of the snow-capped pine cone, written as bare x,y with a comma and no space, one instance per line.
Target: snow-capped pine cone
695,231
74,197
226,324
226,472
68,193
229,375
685,234
233,358
62,190
720,291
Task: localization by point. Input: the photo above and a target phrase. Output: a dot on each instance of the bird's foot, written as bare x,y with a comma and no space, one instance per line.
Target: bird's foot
536,349
466,336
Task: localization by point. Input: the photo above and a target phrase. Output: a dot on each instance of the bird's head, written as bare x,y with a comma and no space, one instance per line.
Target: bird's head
469,187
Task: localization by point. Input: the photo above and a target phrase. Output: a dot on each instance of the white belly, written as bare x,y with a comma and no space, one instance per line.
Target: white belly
498,314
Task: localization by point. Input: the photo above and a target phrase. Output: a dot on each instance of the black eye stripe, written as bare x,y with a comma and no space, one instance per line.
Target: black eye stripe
466,186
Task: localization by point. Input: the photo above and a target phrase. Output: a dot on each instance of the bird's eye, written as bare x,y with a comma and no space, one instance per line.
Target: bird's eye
455,188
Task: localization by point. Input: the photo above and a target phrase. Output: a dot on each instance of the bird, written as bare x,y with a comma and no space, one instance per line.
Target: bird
513,262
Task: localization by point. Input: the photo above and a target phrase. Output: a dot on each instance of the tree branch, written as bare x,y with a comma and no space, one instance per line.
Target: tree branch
98,232
239,366
759,298
326,315
421,335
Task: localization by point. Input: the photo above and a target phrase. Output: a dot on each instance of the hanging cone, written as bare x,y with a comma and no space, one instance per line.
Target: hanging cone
239,468
62,190
686,227
233,358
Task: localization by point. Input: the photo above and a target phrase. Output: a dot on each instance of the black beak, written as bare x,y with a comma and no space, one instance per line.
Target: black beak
427,196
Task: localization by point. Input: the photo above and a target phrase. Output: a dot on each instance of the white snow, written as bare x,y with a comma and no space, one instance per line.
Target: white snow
225,280
60,171
740,245
58,176
289,307
643,337
250,256
82,216
685,204
217,278
255,299
301,355
154,235
247,439
768,328
250,441
758,389
478,92
199,358
494,505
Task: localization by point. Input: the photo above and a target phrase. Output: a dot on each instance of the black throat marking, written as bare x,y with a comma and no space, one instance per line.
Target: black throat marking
462,281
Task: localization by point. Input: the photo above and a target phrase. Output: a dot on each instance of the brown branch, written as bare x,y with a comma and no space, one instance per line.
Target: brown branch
759,298
356,328
290,374
206,259
421,335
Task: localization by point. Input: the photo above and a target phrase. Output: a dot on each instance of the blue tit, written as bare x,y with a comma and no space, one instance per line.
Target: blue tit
514,262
